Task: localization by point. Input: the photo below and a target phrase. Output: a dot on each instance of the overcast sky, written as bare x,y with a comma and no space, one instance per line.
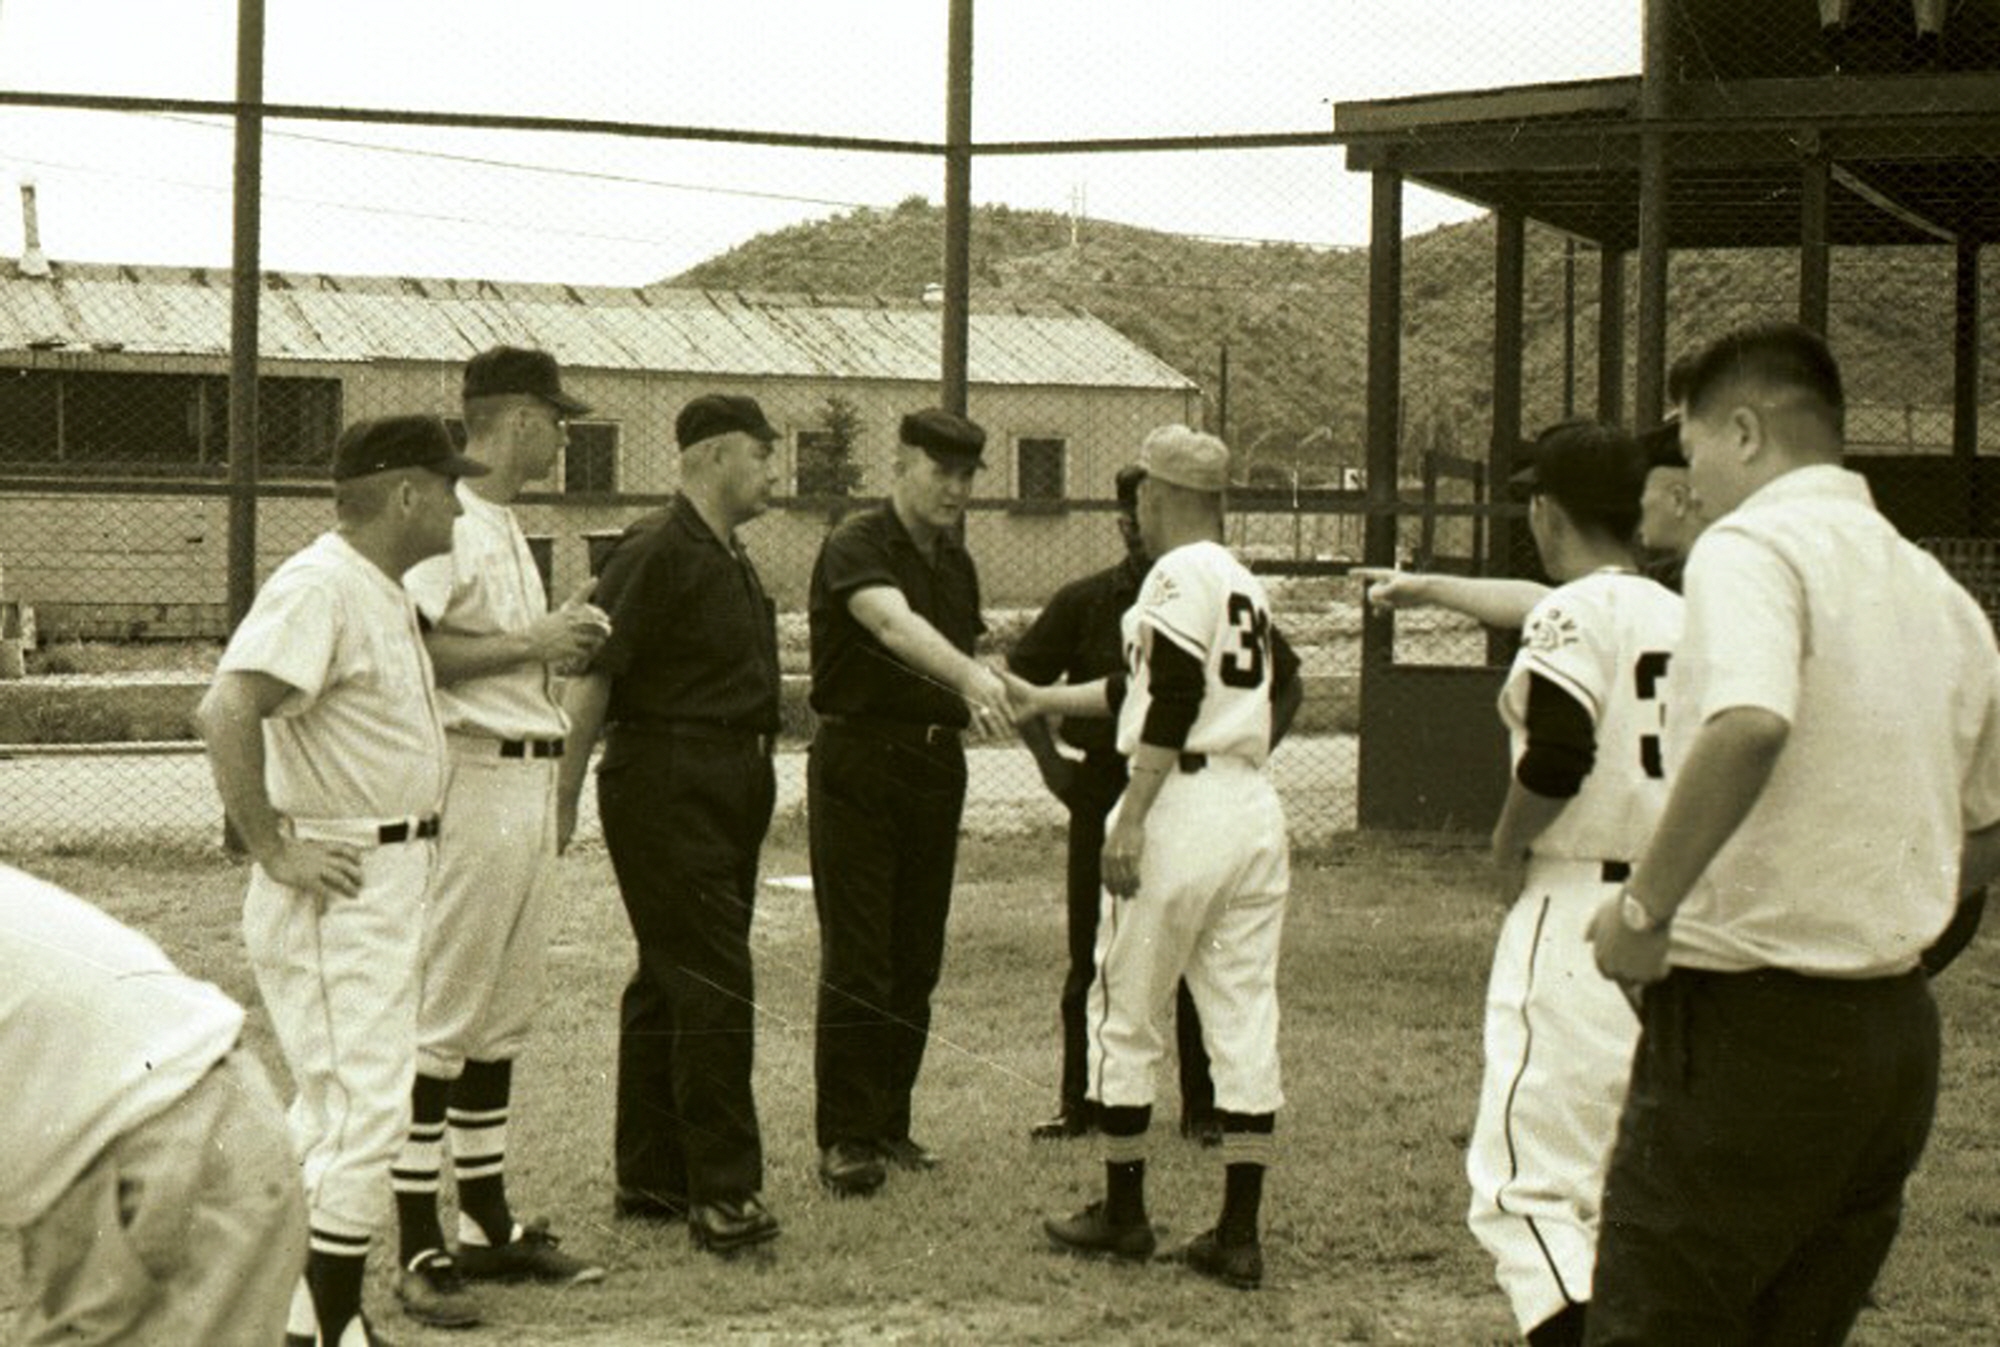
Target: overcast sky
604,210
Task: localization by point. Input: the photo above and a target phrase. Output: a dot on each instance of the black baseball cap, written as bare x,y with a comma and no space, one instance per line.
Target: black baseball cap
1661,445
1592,469
945,436
385,443
519,369
715,414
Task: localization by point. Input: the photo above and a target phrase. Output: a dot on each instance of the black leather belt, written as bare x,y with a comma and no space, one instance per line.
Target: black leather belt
702,731
897,731
531,748
1615,872
390,833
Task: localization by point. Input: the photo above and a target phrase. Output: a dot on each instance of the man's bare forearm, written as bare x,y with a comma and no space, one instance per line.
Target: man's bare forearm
232,728
912,639
457,656
586,699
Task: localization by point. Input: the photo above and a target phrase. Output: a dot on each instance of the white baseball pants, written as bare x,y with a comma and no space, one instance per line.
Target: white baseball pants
340,981
1213,879
486,937
1559,1042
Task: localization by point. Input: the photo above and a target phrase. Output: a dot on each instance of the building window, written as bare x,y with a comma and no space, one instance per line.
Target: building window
1039,464
298,421
590,459
590,463
106,423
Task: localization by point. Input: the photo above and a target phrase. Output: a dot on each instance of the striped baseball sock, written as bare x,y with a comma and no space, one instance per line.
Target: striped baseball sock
1249,1145
414,1176
478,1121
334,1267
1125,1163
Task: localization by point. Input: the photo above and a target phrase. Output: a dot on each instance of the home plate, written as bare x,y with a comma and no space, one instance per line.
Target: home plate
791,883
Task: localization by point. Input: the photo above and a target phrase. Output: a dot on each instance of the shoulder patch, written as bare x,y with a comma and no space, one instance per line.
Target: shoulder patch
1161,589
1552,629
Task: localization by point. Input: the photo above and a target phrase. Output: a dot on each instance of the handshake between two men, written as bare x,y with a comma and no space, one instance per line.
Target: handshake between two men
1002,702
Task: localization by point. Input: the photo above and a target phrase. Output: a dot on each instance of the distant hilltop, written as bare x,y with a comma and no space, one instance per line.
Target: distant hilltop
1294,318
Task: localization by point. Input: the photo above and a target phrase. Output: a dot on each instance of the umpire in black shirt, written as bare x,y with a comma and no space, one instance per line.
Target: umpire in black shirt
689,691
1077,638
894,614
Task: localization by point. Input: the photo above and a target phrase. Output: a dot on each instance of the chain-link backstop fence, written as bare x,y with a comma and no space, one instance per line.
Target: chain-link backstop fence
1197,261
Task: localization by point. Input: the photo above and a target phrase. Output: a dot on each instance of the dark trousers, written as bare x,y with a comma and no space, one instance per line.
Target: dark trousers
1757,1180
883,824
1100,780
684,820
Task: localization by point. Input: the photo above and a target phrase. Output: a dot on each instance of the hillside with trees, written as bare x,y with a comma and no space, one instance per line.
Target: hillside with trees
1293,319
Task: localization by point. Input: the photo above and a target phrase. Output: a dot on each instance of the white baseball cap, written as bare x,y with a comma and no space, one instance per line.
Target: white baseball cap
1185,458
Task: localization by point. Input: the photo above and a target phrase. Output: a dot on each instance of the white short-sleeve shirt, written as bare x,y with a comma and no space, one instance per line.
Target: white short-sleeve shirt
98,1033
1200,597
1806,603
360,736
488,585
1607,640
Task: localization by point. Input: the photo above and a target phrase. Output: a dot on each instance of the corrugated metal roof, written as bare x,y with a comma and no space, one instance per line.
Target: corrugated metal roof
180,311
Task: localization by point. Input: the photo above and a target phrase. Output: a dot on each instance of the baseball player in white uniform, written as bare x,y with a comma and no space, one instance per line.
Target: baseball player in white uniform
496,648
1583,705
324,737
1196,864
147,1165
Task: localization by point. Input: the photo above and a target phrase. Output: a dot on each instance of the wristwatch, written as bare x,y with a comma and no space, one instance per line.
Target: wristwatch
1636,915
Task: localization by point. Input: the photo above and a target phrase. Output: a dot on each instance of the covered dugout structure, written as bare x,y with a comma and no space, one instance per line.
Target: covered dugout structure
1801,125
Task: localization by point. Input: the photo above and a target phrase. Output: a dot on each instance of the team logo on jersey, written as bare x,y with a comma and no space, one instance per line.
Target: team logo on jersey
1162,590
1552,629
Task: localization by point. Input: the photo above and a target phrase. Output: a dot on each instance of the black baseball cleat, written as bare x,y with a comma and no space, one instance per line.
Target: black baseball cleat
1091,1235
432,1291
1237,1265
908,1154
851,1169
730,1227
531,1256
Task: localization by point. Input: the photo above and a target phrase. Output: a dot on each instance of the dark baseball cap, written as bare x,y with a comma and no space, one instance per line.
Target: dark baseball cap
1661,445
944,435
385,443
1593,469
519,369
715,414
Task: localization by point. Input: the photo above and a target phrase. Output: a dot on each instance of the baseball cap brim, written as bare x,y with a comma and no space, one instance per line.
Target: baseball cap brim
458,465
565,404
953,455
1662,446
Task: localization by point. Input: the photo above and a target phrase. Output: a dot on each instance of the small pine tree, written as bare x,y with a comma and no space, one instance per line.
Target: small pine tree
827,464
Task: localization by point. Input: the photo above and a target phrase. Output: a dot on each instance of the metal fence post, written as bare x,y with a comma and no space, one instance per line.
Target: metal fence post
246,290
957,208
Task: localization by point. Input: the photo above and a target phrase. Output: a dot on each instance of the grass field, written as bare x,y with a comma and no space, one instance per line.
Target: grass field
1383,974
